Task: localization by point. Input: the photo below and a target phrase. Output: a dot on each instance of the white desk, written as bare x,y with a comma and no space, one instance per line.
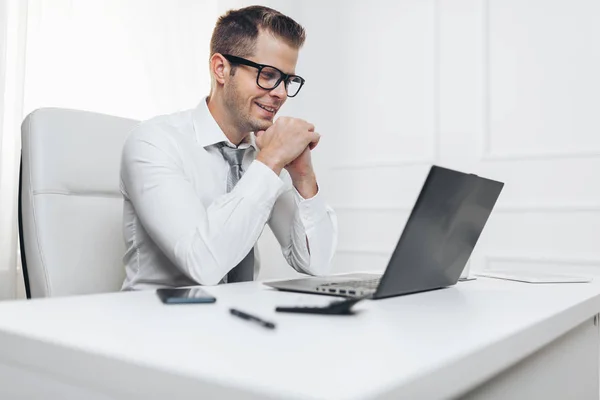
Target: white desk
481,339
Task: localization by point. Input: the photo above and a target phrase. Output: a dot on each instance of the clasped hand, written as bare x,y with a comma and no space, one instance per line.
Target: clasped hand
287,144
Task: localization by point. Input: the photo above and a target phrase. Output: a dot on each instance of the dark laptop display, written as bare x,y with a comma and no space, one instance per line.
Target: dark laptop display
438,239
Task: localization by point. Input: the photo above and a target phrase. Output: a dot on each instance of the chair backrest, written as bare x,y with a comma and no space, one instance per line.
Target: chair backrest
71,207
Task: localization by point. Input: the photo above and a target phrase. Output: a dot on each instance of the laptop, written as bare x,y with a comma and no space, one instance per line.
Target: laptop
439,236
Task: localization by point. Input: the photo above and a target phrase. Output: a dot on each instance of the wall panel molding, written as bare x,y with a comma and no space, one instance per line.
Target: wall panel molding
435,154
540,259
365,250
370,164
365,208
508,208
489,259
540,156
487,153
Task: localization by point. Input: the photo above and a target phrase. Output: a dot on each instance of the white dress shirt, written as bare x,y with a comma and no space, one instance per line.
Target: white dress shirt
182,228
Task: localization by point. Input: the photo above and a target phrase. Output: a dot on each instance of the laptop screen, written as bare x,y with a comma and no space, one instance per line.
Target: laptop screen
441,232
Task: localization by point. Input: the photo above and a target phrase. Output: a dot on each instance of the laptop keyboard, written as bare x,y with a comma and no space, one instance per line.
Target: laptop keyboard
354,287
366,284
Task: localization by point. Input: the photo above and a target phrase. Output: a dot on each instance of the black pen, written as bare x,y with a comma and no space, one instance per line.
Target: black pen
252,318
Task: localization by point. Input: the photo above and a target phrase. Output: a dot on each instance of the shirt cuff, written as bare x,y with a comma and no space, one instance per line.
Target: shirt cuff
312,210
260,184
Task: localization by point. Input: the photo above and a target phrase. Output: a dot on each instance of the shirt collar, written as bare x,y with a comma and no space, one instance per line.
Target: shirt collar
208,131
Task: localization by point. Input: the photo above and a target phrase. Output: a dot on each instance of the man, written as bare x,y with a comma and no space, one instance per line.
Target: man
199,185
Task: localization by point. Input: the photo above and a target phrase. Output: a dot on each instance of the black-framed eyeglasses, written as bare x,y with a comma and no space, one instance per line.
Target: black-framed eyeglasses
269,77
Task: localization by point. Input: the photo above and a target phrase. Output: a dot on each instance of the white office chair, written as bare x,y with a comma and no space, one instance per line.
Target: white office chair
70,204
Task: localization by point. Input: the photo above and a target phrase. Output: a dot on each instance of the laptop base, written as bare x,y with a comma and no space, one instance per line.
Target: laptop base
334,285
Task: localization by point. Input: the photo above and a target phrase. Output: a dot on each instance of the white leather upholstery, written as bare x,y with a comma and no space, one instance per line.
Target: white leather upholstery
71,202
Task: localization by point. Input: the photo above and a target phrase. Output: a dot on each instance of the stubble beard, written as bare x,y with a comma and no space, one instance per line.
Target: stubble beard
242,117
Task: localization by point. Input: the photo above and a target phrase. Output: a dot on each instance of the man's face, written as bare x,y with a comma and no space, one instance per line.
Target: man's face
245,99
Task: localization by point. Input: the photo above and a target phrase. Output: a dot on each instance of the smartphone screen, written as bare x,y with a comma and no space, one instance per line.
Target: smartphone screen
185,296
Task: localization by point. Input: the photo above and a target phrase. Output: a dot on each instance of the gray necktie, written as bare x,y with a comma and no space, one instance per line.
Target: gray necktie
244,271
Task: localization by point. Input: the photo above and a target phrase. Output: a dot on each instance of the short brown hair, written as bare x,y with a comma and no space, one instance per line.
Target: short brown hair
236,31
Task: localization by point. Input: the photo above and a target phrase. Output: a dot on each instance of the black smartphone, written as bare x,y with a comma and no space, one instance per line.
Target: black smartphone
184,296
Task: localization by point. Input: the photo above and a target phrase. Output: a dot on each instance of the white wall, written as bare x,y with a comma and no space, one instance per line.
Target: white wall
134,58
12,37
503,88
